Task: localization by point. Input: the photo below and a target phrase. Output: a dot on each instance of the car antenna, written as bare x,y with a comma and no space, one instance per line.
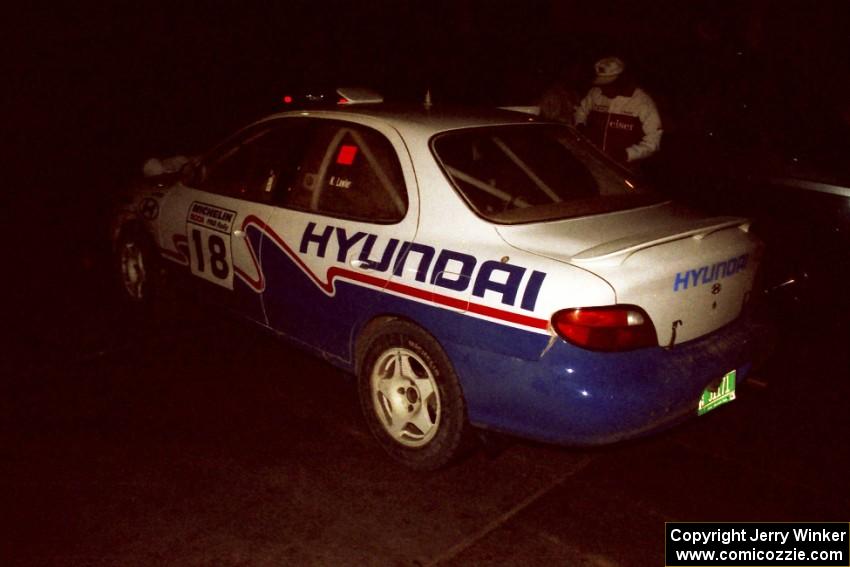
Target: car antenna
428,103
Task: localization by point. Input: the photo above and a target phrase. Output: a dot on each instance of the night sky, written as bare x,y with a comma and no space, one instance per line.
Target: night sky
97,88
115,421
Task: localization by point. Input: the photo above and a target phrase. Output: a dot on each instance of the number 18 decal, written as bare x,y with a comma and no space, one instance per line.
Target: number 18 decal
209,246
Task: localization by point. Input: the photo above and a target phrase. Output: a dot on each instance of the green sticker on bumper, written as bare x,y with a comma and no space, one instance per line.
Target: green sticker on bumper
712,398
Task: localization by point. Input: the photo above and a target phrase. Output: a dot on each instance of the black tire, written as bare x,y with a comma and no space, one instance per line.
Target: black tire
137,269
410,396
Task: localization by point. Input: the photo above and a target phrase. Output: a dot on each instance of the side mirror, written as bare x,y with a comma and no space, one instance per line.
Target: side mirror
155,167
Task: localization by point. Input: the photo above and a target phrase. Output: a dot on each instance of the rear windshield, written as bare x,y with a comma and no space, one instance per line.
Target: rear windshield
534,172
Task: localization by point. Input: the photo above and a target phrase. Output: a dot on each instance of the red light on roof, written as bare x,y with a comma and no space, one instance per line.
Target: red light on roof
287,99
346,154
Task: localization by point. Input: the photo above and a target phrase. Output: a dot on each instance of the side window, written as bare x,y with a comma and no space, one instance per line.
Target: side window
226,167
350,171
259,165
276,160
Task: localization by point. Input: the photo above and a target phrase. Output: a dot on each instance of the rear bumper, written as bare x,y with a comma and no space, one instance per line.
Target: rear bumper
577,397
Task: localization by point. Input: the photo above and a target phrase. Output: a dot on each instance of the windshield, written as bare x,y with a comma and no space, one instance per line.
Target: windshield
534,172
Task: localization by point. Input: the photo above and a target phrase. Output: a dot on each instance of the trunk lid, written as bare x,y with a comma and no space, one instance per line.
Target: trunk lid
692,274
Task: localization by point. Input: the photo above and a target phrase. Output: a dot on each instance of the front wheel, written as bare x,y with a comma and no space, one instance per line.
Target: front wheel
136,267
411,397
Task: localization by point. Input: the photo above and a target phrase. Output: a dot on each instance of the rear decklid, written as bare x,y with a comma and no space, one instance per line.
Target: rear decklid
692,274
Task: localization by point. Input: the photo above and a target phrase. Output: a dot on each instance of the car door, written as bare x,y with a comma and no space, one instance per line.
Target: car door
338,233
214,217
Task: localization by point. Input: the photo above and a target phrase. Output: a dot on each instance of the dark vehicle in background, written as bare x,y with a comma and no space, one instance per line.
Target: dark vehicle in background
806,221
775,149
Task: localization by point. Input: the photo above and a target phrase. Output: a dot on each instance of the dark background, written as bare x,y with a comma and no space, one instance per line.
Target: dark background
97,88
94,89
187,439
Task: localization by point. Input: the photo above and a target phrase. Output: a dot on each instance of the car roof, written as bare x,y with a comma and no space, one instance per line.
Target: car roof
427,121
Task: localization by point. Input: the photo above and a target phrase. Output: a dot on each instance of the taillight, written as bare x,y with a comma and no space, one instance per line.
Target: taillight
609,328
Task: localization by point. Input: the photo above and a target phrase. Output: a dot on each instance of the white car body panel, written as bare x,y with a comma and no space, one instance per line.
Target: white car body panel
485,291
641,252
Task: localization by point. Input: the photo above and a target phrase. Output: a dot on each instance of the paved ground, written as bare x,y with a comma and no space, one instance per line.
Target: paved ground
191,441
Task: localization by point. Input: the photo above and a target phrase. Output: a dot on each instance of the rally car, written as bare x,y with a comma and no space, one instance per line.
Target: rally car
473,268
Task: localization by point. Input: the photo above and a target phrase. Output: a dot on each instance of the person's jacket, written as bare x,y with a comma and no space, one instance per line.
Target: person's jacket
624,126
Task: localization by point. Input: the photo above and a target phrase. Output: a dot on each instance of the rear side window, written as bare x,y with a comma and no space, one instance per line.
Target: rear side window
350,171
529,173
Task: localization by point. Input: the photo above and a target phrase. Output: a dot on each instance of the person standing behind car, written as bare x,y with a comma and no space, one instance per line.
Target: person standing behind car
560,100
619,117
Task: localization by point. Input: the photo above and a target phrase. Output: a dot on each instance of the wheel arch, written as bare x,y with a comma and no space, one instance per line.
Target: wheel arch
132,225
365,334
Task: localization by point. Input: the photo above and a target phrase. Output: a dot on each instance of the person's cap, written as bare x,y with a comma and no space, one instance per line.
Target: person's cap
607,70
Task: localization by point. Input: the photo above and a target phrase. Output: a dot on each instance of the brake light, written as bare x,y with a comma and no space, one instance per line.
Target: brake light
610,328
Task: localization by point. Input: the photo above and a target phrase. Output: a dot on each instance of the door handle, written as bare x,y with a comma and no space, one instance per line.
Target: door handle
362,264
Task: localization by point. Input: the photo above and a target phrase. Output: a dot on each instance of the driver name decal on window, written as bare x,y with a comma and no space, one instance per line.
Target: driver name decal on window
346,154
340,182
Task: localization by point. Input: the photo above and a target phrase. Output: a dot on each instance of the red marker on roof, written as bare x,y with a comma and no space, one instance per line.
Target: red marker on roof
346,154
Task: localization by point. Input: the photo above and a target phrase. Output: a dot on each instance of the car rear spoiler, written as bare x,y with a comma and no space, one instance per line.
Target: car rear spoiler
617,251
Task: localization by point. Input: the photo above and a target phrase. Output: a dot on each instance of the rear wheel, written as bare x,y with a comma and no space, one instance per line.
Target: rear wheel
411,397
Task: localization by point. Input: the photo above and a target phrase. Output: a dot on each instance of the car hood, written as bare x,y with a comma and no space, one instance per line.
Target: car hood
691,273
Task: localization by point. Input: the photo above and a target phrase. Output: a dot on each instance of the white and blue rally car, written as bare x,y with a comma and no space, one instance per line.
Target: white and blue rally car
471,267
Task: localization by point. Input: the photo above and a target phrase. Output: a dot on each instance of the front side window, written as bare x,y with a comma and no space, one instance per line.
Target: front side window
529,173
259,164
350,171
224,170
